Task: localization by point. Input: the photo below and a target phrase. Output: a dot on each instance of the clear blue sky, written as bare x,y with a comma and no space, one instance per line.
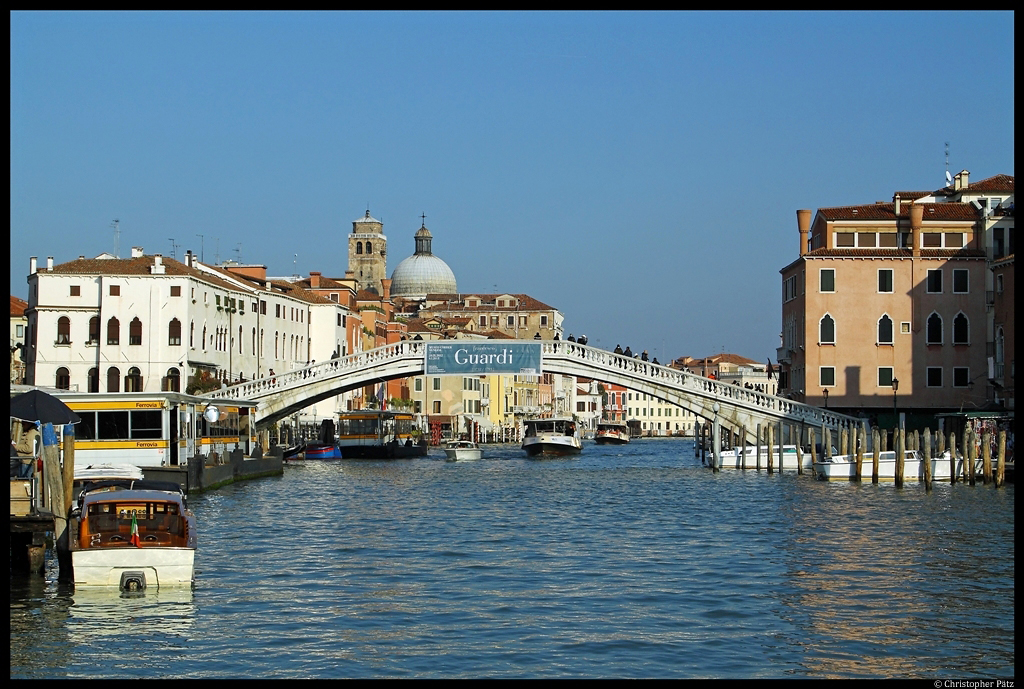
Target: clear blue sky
640,172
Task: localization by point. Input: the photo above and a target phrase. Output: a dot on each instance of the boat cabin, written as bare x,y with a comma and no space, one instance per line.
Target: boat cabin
107,510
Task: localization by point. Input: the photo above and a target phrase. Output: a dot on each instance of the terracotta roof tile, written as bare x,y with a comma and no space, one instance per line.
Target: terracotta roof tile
18,306
886,211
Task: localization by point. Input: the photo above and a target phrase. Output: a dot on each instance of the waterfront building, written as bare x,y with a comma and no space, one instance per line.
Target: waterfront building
19,324
658,417
146,323
613,402
889,302
1003,346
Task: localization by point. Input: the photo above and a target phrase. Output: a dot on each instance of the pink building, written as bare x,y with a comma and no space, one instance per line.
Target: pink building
886,309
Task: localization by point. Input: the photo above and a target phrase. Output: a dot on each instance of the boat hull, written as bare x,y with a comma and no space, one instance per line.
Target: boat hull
611,439
161,567
462,454
319,451
845,468
555,445
734,459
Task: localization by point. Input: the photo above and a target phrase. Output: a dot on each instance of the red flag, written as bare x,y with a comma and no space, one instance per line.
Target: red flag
135,533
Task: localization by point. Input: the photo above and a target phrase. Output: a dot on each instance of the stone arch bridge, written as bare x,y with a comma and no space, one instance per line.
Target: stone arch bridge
732,406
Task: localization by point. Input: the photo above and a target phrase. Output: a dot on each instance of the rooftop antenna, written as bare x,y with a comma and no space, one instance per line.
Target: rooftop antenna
295,259
238,252
949,179
174,247
216,250
117,237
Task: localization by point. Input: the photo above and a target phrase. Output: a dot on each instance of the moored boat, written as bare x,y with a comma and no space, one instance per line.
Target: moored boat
133,535
458,450
321,451
556,436
735,458
612,434
845,466
379,434
95,473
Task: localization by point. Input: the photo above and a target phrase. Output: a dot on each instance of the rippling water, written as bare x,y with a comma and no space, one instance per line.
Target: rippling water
629,561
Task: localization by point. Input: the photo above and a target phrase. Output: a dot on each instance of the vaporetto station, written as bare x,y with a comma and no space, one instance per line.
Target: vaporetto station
731,407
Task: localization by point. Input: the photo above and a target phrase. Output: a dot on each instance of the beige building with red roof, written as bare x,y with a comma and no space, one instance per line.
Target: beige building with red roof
887,309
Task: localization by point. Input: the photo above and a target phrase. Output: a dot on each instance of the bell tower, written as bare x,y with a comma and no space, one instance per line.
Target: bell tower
367,253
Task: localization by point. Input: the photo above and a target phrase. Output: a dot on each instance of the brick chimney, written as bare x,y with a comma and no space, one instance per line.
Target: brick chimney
916,220
386,285
803,223
314,279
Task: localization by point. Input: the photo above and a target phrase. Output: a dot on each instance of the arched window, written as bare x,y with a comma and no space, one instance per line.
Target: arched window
133,381
204,338
275,344
63,379
885,330
826,330
174,332
961,330
254,341
63,331
359,247
94,380
94,330
239,339
113,332
369,248
192,335
113,379
172,381
933,329
135,332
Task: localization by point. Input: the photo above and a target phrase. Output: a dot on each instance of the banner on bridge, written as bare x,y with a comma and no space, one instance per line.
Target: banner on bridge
447,358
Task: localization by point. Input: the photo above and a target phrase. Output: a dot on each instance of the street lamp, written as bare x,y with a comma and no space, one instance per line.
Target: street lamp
895,387
824,391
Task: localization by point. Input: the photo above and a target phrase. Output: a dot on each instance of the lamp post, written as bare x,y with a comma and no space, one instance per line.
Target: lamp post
895,387
824,391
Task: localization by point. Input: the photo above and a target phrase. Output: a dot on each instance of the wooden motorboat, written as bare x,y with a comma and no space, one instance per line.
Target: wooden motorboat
612,434
133,535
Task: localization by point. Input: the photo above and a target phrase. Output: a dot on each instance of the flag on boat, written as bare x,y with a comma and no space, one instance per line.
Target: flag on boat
381,396
135,533
771,371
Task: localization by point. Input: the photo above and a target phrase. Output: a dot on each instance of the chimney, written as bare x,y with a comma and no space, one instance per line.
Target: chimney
962,180
188,258
896,204
314,279
158,267
32,265
916,220
137,252
803,223
386,284
49,262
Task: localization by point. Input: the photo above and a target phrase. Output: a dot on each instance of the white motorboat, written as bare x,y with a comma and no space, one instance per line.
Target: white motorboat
456,450
612,434
845,466
133,535
556,436
734,458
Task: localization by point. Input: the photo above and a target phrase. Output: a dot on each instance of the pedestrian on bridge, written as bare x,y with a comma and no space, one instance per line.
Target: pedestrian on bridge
618,349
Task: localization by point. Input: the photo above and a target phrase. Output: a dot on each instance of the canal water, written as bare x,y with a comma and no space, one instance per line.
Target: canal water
630,561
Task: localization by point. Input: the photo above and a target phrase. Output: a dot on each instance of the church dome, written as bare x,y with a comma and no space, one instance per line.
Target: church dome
422,273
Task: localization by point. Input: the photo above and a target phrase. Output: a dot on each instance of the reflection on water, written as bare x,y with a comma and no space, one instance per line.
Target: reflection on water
628,561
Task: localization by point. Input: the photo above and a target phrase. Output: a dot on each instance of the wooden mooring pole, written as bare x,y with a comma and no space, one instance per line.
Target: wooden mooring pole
759,442
1001,460
926,457
771,448
899,440
952,458
860,454
986,457
876,438
743,459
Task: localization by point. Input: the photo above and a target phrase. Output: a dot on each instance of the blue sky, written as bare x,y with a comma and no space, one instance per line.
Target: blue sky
640,172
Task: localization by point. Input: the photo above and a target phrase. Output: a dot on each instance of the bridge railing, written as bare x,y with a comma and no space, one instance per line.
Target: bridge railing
706,387
279,382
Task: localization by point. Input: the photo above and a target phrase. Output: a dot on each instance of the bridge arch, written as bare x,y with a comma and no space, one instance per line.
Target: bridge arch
734,406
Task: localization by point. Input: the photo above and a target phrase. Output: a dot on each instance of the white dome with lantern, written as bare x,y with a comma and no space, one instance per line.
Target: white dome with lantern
422,273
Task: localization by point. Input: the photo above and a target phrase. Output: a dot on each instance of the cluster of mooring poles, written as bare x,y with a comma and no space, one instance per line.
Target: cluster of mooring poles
926,443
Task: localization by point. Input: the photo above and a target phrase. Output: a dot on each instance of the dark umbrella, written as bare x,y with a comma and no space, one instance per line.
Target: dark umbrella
38,406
